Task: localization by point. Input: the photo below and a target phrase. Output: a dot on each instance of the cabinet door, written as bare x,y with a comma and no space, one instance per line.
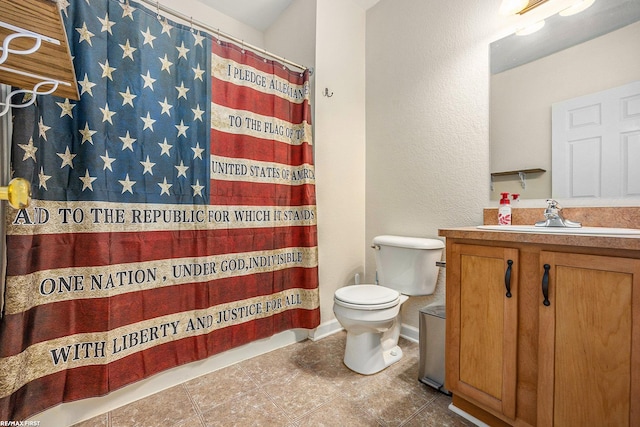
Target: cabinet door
482,325
589,341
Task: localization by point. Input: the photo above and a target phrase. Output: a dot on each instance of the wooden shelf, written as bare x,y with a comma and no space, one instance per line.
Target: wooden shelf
51,62
518,172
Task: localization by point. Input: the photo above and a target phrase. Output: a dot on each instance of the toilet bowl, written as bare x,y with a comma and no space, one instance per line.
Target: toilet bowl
371,313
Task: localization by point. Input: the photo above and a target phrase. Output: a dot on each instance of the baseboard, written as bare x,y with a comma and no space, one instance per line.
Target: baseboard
67,414
325,329
467,416
410,333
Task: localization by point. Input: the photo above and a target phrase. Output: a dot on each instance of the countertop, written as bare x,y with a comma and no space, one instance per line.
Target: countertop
583,240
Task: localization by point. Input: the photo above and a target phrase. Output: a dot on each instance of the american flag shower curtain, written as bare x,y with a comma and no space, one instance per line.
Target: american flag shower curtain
173,213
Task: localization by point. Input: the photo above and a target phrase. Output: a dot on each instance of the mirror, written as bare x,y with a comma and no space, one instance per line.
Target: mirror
569,57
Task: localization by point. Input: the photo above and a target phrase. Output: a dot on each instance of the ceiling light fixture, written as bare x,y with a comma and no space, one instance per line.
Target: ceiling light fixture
511,7
577,7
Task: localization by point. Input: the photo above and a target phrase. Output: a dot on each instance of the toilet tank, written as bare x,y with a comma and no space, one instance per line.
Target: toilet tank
408,264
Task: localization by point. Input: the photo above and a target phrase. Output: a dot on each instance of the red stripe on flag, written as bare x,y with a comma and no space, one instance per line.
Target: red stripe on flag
235,146
248,99
260,194
49,251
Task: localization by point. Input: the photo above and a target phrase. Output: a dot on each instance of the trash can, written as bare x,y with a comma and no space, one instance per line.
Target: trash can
431,342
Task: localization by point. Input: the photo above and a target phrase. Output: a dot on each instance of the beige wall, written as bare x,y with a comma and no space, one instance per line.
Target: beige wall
330,36
299,19
427,104
427,120
339,146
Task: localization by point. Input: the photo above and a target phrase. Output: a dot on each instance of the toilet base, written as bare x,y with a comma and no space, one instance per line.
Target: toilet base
369,353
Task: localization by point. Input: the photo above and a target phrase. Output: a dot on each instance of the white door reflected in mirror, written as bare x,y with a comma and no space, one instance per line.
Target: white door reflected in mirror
596,144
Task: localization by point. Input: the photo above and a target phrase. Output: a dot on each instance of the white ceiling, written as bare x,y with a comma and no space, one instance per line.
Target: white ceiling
257,14
261,14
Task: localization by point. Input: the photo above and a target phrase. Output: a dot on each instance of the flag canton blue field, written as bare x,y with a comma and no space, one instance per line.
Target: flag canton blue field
140,132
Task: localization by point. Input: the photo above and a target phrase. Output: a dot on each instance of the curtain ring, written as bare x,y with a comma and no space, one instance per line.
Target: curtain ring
242,48
191,24
158,11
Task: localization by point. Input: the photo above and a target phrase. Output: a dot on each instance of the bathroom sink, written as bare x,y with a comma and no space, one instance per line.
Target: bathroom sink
563,230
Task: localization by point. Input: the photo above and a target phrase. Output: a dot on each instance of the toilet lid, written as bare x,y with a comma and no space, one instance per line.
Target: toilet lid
367,296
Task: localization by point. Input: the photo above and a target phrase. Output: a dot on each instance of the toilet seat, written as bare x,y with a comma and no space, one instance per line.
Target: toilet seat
366,297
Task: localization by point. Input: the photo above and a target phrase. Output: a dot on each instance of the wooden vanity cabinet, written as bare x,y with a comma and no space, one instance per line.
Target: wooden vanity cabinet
482,325
589,341
518,361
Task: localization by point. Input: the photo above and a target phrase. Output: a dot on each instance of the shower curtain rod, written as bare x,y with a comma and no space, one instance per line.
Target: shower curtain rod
191,21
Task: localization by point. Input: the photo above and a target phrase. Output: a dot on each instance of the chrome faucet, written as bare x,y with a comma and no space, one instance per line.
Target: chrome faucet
553,217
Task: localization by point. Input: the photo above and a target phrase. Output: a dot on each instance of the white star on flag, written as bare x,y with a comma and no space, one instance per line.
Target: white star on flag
127,185
67,158
87,181
29,150
165,187
148,122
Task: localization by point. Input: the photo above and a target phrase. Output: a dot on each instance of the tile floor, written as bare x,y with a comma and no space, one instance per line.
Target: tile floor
303,384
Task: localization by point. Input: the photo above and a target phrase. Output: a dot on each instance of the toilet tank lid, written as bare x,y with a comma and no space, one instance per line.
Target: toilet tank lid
408,242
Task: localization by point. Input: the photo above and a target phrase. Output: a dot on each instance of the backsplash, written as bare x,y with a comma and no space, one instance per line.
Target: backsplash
623,217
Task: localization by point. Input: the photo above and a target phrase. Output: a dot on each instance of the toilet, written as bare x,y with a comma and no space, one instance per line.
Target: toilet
405,266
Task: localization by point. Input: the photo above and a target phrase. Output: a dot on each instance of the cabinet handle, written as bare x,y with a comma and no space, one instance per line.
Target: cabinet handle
545,285
507,278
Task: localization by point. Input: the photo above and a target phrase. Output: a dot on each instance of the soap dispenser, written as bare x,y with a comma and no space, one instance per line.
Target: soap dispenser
504,212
